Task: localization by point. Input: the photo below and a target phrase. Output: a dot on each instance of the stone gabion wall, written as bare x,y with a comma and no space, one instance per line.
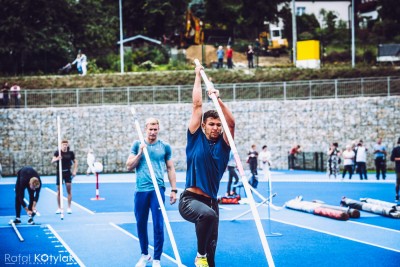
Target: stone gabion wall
29,136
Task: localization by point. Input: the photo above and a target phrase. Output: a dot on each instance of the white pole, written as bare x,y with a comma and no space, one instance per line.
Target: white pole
17,232
121,44
157,189
241,170
60,169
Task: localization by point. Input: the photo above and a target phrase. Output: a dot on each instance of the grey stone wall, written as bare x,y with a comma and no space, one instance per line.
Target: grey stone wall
29,136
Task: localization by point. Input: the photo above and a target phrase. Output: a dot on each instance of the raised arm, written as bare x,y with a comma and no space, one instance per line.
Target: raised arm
195,120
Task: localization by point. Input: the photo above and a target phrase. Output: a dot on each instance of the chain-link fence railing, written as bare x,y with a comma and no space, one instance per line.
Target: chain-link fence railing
315,89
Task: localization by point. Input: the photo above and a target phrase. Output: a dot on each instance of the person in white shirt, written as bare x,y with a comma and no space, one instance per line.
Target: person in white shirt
361,160
265,161
348,161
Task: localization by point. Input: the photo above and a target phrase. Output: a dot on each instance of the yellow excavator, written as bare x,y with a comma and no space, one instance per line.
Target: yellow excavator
194,32
271,41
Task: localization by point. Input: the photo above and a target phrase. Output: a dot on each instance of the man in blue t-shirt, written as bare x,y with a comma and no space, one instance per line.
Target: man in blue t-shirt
207,153
145,195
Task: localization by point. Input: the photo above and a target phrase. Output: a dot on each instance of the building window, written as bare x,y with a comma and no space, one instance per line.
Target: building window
300,10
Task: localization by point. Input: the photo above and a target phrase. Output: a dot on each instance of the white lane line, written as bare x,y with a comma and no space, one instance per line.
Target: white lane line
73,203
65,245
137,239
375,226
333,234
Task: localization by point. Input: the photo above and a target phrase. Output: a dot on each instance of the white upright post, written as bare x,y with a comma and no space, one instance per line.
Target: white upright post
60,169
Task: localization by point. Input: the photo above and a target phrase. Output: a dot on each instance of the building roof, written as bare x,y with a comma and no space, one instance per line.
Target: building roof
136,37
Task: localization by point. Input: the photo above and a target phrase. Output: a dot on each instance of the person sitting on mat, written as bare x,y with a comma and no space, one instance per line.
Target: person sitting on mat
145,195
27,178
207,153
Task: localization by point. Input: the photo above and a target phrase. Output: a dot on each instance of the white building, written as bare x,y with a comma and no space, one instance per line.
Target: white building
340,8
365,9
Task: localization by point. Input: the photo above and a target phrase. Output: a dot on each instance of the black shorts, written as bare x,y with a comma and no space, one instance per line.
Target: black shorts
67,177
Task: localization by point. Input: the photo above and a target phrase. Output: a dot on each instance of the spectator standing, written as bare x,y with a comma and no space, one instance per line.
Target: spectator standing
16,94
333,160
78,62
380,159
265,161
395,156
361,160
293,156
229,56
348,161
5,90
84,64
252,159
81,63
232,174
220,57
250,56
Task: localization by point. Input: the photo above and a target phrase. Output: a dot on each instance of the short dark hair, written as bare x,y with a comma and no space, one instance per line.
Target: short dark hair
336,144
264,147
398,141
210,114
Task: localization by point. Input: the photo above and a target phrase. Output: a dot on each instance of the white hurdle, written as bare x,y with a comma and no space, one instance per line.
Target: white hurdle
157,189
246,185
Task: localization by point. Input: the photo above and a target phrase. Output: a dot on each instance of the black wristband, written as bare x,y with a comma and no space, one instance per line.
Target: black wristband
174,190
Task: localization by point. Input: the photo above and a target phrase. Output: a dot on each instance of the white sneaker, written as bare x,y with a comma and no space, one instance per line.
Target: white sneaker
156,263
69,211
58,211
144,259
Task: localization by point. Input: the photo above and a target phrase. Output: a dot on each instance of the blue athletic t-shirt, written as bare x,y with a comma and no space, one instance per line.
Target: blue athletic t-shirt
159,153
206,162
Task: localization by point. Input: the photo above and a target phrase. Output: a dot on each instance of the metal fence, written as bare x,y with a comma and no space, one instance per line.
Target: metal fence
313,89
314,161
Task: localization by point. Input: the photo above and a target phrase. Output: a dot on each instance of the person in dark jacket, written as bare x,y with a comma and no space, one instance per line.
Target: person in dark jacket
27,178
395,156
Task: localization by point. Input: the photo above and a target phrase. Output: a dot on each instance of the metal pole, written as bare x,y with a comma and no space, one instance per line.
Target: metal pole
121,45
294,32
353,47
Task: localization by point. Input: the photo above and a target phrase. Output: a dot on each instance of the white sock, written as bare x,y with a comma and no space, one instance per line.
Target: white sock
201,256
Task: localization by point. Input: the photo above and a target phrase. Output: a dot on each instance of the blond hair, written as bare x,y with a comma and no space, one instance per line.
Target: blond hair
35,182
152,121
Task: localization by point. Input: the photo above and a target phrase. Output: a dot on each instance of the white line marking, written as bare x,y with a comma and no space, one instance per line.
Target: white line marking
73,203
137,239
375,226
332,234
66,246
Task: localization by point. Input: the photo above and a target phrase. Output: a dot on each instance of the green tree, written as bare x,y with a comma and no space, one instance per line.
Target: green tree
244,17
153,18
41,35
